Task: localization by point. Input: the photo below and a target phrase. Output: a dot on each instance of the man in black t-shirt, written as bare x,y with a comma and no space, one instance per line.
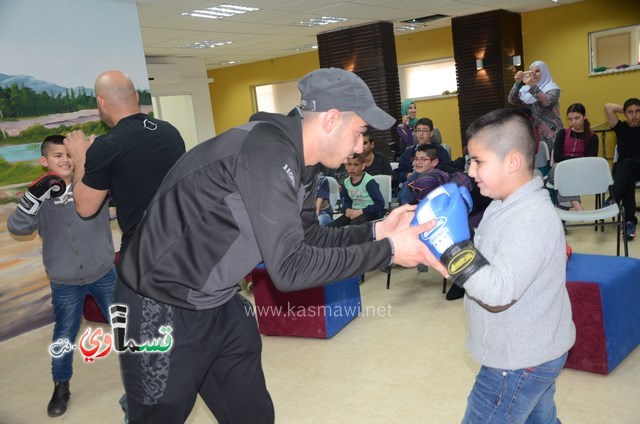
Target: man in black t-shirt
129,162
627,170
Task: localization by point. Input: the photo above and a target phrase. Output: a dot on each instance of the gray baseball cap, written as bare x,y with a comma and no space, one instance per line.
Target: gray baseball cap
335,88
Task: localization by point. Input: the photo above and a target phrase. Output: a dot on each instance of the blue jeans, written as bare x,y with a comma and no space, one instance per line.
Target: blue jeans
68,302
324,219
520,396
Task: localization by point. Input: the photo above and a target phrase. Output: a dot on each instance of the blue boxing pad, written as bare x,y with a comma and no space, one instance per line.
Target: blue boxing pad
449,240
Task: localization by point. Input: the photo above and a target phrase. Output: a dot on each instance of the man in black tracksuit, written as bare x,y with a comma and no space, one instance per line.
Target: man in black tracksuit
231,202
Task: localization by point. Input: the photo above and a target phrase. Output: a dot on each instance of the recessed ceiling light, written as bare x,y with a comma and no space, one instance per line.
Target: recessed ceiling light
325,20
408,27
303,48
220,11
227,62
205,44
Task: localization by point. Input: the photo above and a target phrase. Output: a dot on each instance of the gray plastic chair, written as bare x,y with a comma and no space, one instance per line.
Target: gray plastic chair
589,176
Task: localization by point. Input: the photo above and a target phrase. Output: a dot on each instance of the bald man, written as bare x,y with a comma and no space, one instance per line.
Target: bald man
129,162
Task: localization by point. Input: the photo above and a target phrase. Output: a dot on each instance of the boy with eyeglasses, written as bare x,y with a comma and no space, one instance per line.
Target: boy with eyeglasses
425,160
424,133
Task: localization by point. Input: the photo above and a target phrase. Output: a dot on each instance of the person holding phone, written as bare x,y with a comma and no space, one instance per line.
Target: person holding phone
535,90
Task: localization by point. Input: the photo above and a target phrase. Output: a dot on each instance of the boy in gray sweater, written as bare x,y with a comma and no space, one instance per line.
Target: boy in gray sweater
78,256
520,325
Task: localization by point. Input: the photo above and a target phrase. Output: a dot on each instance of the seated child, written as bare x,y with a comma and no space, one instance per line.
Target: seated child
77,253
362,200
425,160
424,133
427,177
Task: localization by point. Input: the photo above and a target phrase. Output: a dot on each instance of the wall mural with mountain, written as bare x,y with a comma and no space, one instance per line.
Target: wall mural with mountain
46,87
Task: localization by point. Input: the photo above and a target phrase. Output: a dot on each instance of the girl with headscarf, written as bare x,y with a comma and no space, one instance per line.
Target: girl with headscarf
536,91
409,119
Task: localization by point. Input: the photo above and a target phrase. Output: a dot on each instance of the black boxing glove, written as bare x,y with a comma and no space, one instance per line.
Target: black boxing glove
47,186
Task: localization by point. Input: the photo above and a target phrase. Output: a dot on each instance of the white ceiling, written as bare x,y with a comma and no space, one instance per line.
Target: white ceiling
267,33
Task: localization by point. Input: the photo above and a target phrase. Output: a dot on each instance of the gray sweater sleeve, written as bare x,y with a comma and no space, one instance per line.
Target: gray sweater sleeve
21,223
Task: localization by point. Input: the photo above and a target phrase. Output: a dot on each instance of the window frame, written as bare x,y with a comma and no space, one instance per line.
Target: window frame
633,30
406,92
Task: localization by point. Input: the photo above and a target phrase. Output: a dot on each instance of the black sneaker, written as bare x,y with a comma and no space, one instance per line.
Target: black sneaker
630,228
58,403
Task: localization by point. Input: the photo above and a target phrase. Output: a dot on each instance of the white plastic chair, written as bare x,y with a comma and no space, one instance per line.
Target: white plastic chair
542,157
384,181
589,176
334,194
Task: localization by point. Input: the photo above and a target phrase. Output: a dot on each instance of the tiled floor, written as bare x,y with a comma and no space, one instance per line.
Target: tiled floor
409,366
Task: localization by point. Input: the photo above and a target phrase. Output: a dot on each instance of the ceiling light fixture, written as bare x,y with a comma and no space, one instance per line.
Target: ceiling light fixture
205,44
220,11
409,27
424,19
325,20
303,48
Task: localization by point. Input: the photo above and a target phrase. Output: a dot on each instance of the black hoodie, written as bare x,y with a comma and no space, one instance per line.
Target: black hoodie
231,202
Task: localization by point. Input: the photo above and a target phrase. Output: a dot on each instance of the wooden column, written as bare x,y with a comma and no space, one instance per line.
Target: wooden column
370,52
493,37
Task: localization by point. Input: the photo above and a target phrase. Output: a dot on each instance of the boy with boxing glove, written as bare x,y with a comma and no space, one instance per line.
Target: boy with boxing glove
520,325
77,254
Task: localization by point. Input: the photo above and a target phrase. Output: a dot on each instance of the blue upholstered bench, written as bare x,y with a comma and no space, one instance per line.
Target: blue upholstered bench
605,301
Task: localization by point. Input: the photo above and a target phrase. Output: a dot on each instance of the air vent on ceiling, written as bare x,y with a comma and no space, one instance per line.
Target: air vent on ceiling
425,19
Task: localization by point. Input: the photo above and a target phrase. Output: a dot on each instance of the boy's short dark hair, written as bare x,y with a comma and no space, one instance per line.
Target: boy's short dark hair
48,141
630,102
510,129
429,149
368,135
425,121
359,157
